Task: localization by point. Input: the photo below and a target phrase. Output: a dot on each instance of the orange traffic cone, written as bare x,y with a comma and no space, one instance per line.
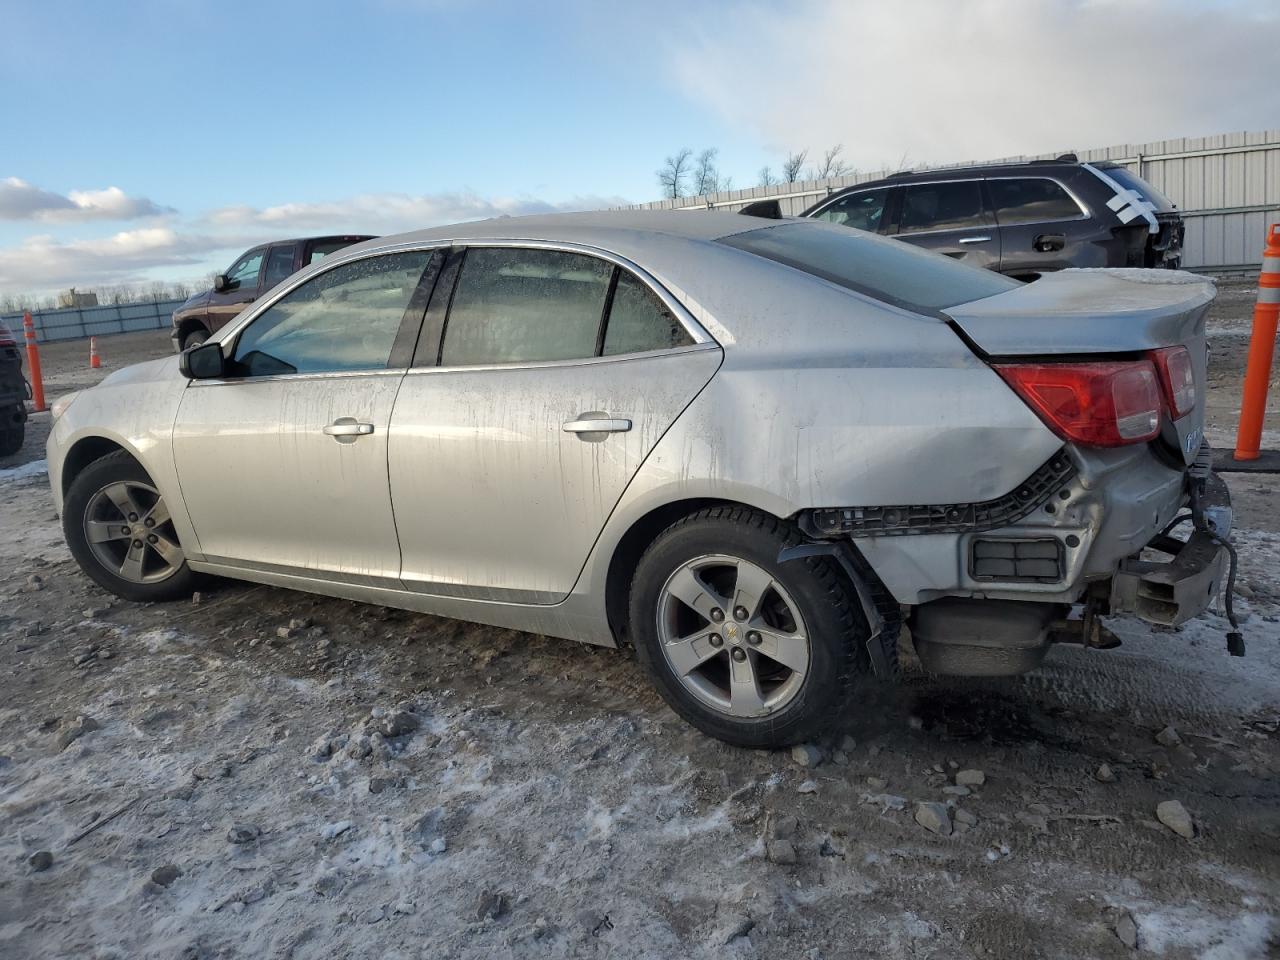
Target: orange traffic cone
94,360
1262,345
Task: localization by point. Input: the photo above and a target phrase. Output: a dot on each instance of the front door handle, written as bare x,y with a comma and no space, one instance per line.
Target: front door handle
1049,242
591,424
348,429
974,239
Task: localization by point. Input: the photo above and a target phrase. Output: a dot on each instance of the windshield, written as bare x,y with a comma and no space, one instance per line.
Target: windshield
1131,181
888,270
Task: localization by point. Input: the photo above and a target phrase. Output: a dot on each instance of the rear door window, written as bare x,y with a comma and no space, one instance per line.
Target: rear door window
322,248
1030,200
515,305
639,321
279,265
956,205
862,211
887,270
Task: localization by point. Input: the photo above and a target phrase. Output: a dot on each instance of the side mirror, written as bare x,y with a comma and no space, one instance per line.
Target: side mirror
203,362
220,283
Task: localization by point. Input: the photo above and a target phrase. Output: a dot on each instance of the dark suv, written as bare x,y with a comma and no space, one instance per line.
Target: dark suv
1021,219
248,278
13,394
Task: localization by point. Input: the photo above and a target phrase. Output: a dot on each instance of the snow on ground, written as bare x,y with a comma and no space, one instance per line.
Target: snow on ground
382,784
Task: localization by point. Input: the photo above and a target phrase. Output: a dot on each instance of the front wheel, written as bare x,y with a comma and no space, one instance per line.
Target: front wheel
120,531
195,338
754,652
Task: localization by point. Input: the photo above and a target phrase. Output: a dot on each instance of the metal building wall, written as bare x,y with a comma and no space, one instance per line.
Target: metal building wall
73,323
1227,187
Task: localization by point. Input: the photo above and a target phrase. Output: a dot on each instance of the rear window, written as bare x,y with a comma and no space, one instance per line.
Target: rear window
1131,181
890,271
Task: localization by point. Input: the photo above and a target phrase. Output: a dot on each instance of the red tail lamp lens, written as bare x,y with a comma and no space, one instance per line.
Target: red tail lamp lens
1178,379
1104,404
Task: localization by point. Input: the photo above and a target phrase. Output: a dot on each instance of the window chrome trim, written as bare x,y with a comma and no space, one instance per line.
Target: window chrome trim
572,362
836,198
332,262
292,377
678,309
1084,213
306,274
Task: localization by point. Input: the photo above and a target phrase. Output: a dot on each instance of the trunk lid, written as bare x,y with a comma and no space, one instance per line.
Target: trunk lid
1078,314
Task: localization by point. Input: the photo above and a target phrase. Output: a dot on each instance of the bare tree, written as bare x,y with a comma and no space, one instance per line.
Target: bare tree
674,172
157,291
181,290
792,166
831,165
706,178
767,179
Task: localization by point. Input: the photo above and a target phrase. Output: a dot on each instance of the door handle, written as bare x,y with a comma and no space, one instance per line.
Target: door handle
597,425
1048,242
973,239
348,429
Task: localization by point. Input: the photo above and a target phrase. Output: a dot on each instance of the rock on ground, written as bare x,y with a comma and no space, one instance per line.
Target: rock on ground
1174,816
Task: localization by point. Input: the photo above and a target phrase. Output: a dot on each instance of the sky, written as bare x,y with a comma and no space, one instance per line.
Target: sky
146,140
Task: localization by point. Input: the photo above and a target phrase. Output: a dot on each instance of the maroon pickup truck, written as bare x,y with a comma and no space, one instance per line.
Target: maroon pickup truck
248,278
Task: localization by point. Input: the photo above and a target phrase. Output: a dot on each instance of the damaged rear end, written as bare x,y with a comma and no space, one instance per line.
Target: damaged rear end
1126,518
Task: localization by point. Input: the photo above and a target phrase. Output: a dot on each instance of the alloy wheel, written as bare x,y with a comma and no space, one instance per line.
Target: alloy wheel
130,532
733,635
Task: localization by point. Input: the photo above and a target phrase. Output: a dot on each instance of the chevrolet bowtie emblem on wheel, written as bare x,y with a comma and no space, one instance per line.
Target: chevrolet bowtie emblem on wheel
731,631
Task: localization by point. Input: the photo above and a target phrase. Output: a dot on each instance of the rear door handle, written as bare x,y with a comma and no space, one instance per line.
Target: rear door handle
348,429
1048,242
597,425
974,239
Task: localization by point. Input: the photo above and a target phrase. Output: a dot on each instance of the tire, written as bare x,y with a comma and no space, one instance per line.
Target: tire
195,338
826,612
11,439
128,566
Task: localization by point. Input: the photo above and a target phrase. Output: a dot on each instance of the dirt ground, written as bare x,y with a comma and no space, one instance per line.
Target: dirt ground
269,774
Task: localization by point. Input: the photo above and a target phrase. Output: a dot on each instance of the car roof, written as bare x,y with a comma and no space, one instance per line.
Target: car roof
1030,168
604,228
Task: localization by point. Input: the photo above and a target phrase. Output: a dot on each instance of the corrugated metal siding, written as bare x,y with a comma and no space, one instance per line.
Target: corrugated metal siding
74,323
1227,187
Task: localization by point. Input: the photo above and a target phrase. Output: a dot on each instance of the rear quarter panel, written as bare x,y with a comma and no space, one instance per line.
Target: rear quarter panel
826,398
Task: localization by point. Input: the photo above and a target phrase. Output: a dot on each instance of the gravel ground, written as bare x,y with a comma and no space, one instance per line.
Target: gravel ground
270,774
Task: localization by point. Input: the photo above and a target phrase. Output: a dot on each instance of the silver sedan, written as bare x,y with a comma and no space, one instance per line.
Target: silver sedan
749,449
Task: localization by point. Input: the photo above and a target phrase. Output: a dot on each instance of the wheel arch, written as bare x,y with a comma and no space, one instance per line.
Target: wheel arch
85,451
632,545
189,325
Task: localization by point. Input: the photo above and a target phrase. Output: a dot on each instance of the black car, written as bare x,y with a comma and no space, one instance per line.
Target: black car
13,394
252,275
1021,219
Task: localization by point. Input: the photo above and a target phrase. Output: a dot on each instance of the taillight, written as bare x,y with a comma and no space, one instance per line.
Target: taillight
1177,378
1103,404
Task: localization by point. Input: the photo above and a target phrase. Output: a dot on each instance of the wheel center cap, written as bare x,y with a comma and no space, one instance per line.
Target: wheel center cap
731,632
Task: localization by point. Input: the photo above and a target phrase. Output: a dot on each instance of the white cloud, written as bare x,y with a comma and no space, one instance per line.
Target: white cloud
20,200
384,213
952,80
42,263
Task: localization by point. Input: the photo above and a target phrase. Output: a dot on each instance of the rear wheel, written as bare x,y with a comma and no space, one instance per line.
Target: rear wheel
120,531
748,650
